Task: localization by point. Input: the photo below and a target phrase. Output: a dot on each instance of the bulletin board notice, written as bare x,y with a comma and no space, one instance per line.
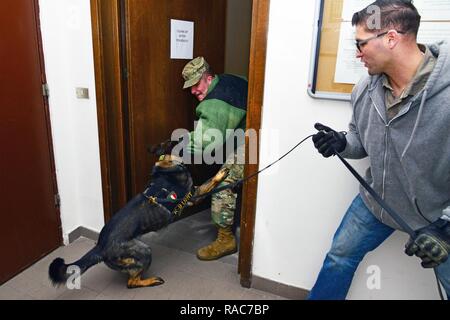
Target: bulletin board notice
334,68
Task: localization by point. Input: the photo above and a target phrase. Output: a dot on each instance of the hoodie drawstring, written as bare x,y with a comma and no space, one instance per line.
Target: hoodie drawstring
419,115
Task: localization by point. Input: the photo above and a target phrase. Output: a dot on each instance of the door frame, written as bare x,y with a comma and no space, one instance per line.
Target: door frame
109,78
47,115
256,80
109,83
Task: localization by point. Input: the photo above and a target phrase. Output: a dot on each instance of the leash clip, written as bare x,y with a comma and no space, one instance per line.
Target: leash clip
152,200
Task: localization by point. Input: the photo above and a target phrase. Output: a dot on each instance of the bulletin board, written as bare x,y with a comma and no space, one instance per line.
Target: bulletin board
325,48
333,43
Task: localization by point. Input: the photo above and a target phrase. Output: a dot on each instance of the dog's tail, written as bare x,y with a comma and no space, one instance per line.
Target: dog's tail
58,271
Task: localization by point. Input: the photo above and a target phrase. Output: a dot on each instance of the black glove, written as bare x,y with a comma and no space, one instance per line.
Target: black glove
237,188
431,243
328,141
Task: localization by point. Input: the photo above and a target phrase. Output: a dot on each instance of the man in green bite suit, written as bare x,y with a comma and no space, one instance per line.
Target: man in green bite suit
222,108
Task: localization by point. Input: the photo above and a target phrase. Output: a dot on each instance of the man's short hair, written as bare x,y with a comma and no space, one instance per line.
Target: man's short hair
400,15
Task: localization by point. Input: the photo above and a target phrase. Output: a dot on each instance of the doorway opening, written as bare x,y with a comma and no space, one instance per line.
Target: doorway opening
139,96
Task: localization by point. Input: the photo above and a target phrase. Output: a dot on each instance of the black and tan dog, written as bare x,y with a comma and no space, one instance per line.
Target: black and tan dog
118,245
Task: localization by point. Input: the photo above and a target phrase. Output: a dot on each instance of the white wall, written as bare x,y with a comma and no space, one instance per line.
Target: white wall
301,204
68,54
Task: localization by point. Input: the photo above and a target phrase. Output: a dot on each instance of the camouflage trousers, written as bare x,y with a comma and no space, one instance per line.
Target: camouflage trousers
223,204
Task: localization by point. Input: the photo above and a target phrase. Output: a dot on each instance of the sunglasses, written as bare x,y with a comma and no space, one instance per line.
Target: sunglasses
361,43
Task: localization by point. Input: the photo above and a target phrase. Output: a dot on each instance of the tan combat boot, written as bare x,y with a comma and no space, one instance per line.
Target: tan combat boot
225,244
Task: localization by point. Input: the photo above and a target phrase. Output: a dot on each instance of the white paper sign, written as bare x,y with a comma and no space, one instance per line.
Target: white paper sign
181,39
433,10
431,32
430,10
351,6
348,68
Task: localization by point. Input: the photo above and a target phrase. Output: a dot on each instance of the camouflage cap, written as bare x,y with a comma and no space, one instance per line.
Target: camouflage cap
193,71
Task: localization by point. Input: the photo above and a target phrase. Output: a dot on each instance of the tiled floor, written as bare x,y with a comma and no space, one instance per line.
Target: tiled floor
174,260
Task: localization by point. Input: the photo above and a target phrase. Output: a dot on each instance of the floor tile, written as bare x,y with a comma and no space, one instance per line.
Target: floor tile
173,259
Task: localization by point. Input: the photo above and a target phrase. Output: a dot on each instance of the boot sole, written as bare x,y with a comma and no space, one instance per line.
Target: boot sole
226,253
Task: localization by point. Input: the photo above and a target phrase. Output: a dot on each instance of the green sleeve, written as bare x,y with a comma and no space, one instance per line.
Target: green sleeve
214,114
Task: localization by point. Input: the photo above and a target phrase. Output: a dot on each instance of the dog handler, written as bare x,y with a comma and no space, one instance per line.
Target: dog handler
400,120
223,105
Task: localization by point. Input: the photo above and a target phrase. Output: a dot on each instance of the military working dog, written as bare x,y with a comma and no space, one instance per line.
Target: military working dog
169,190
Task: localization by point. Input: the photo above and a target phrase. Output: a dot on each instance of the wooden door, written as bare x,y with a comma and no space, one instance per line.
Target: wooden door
139,95
30,225
157,104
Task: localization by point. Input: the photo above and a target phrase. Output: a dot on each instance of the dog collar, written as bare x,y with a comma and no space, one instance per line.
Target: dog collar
170,158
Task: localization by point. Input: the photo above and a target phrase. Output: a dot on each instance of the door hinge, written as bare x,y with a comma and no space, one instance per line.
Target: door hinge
45,90
57,201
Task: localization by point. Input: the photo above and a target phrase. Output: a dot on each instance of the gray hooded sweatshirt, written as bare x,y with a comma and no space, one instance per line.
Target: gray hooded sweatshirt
410,154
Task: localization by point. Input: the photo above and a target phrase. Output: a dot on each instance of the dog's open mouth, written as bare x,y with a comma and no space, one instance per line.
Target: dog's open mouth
168,161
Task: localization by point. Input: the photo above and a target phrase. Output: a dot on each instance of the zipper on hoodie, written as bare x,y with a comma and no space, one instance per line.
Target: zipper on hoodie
386,142
386,125
384,166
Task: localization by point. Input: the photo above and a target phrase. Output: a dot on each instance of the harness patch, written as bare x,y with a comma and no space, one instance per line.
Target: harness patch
182,204
172,196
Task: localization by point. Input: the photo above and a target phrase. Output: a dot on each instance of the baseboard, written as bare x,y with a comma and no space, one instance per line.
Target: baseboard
83,232
279,289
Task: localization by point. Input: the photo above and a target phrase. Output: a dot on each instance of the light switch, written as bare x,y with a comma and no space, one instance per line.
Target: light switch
82,93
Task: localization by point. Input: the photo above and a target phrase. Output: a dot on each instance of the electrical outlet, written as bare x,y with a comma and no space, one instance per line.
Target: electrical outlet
82,93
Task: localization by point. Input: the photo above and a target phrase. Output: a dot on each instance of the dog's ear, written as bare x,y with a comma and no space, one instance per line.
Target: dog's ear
154,149
162,148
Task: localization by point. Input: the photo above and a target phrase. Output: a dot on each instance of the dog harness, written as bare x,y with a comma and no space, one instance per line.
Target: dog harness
172,197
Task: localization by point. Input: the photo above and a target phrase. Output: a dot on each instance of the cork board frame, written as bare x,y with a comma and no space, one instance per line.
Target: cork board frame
327,25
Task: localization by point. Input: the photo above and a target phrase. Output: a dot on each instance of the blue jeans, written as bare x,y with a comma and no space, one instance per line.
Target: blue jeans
359,233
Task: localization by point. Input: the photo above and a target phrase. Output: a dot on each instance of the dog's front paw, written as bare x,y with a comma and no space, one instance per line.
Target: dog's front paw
190,204
221,175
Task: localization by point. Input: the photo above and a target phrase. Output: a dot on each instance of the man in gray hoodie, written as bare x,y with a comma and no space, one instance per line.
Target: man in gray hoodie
401,121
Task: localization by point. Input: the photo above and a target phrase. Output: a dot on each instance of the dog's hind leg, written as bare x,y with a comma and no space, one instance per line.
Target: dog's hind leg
135,281
134,258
